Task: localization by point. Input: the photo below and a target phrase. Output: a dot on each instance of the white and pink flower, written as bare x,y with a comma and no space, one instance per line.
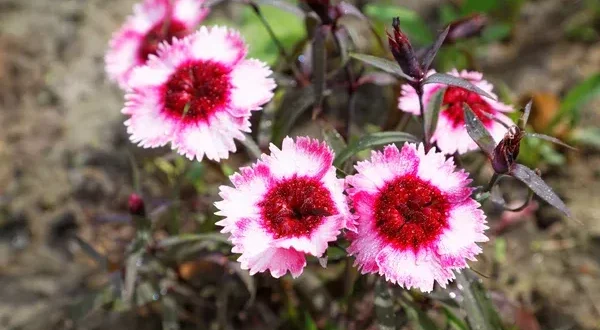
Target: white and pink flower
417,221
197,94
451,135
285,206
152,22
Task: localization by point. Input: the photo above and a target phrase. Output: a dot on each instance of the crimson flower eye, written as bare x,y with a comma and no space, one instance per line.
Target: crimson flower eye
417,221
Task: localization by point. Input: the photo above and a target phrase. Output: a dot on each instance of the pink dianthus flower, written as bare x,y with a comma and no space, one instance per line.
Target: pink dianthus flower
417,221
152,22
451,135
197,94
285,206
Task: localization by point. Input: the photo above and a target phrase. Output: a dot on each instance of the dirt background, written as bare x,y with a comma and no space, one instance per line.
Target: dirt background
64,164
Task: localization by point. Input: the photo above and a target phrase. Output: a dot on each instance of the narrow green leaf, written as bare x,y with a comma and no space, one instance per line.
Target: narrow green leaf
432,113
170,318
447,79
573,102
454,321
189,238
481,314
294,104
283,5
382,63
384,306
419,319
372,140
92,252
334,139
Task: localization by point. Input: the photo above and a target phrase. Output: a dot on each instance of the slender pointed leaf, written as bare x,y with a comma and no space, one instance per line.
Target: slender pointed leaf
550,139
454,321
251,146
170,318
382,63
419,319
432,52
372,140
283,5
535,183
384,306
446,79
334,139
294,104
92,252
432,113
525,117
190,238
481,314
377,78
477,131
246,278
573,102
319,59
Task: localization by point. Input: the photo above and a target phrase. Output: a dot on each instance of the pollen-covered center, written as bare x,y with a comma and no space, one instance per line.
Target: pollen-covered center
411,213
162,31
296,206
197,90
454,99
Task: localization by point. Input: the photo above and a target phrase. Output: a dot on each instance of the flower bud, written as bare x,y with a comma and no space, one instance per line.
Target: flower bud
467,27
506,152
136,205
403,51
323,9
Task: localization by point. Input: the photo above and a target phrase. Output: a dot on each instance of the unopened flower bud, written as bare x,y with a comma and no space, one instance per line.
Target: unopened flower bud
136,205
466,27
506,152
403,51
323,9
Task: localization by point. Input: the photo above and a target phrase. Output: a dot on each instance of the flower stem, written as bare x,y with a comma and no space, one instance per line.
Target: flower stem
351,88
282,52
492,182
419,89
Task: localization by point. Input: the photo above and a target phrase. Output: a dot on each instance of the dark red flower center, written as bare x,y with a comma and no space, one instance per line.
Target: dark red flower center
197,90
296,206
454,99
411,213
162,31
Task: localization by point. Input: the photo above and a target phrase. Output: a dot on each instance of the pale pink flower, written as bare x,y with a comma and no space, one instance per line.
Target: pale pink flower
451,135
285,206
417,221
197,93
152,22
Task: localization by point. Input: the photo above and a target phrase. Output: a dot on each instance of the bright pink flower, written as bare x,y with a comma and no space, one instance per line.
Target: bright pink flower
451,135
197,93
286,205
416,220
152,22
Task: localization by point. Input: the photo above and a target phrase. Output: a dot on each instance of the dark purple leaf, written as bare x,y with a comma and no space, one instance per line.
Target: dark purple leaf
539,187
382,63
377,78
432,113
432,52
446,79
549,138
319,67
477,131
525,116
349,9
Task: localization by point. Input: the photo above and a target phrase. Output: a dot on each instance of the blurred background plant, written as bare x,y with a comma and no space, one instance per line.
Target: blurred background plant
67,190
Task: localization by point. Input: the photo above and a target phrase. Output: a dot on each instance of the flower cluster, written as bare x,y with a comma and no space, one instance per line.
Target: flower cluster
407,212
414,220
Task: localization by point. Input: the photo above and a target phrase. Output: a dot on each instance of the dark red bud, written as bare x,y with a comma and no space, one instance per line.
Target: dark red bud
403,51
466,27
136,205
507,151
323,9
